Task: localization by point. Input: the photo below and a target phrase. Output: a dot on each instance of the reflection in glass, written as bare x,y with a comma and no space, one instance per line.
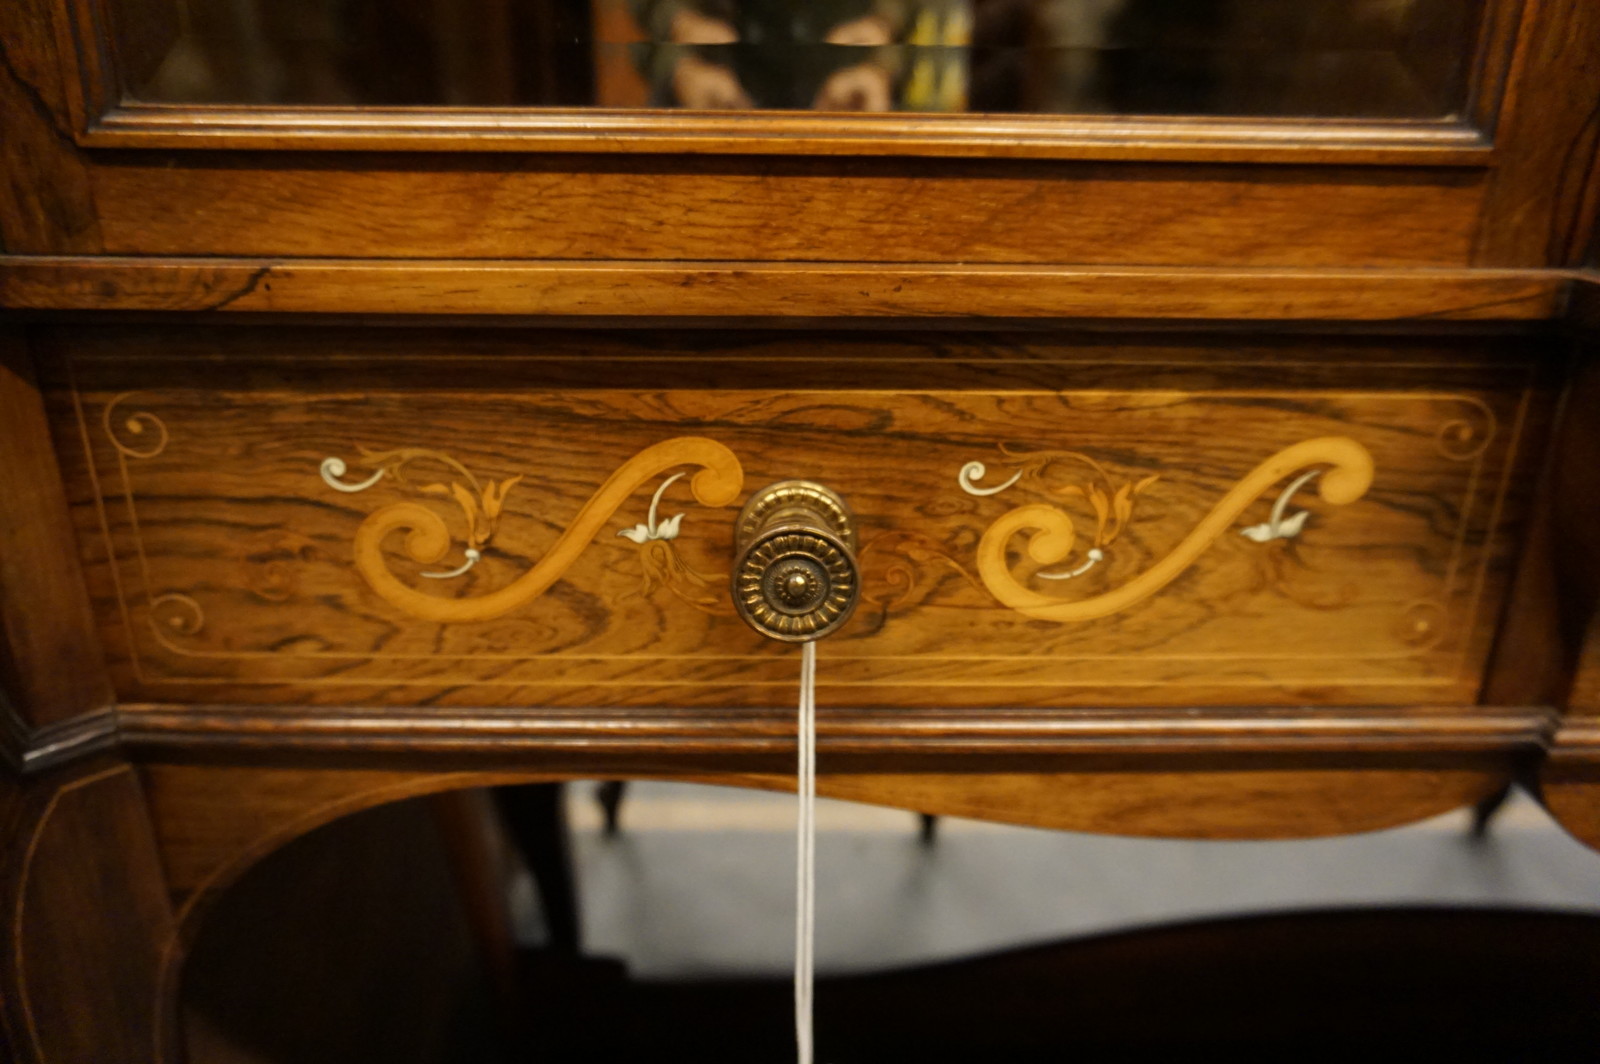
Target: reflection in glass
1346,58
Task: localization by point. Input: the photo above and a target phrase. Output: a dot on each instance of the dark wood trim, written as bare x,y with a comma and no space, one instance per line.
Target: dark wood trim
1586,230
1583,303
543,739
1546,141
1496,48
1577,496
70,740
15,737
1083,137
87,920
87,60
1578,500
26,750
1528,664
1532,659
1584,695
51,664
1576,743
775,290
46,202
1569,778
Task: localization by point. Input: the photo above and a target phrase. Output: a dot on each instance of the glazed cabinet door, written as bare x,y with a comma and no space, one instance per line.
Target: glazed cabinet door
1240,133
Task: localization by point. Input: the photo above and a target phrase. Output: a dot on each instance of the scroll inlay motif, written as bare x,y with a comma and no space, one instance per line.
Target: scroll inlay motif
718,482
545,537
1054,537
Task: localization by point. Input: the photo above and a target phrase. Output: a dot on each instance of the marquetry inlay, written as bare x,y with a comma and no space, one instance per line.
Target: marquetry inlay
565,544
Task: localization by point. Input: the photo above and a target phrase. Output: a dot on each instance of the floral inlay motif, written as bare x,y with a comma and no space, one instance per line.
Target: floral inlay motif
1342,467
717,482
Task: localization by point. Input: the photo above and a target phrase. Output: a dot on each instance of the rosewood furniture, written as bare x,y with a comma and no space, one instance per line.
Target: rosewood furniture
1216,474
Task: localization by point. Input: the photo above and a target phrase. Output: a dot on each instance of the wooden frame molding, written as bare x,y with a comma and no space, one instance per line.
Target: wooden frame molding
554,739
110,122
106,121
1078,137
29,750
774,290
1576,742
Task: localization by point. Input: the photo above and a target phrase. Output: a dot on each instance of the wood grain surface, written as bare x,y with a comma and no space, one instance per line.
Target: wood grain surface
865,210
46,202
223,564
1584,696
1575,494
1541,201
1184,802
88,927
1569,779
791,292
215,822
1554,626
1511,182
51,667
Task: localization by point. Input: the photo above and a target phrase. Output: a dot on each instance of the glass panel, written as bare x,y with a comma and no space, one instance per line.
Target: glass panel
1350,58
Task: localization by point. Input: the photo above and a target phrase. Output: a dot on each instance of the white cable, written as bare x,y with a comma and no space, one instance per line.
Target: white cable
805,888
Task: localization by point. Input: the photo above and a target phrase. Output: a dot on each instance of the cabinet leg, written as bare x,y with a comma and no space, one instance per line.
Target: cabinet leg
535,817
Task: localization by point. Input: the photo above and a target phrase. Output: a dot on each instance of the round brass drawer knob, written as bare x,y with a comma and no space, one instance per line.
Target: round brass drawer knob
794,572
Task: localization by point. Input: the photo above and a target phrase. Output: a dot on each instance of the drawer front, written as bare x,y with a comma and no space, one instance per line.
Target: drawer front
545,519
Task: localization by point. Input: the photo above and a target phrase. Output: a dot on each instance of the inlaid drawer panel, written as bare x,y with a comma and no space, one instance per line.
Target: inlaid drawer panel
472,517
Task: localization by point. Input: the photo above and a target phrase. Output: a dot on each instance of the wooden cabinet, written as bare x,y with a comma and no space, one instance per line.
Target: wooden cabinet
1217,473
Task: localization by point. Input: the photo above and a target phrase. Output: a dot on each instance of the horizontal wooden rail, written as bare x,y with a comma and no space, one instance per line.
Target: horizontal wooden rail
662,737
788,291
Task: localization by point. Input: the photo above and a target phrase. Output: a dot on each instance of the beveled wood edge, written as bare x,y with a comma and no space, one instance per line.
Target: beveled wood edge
14,737
1575,742
585,289
549,736
1393,142
25,751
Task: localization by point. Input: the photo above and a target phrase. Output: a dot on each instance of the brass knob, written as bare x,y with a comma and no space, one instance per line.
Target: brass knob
794,570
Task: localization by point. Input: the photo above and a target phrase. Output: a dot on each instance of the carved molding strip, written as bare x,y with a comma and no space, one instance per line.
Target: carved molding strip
1054,538
581,740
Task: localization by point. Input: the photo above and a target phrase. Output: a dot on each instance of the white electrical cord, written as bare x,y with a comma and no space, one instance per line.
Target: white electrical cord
805,889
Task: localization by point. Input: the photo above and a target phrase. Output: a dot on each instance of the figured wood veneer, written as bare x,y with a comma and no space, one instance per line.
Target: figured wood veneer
251,811
866,211
226,568
791,292
51,668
